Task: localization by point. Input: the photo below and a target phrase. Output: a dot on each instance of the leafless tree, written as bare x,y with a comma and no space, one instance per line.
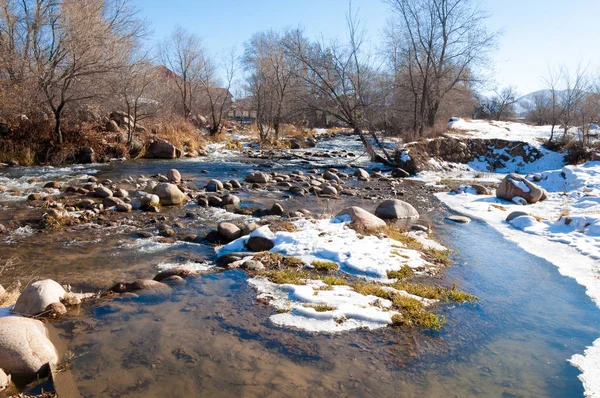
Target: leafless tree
341,80
272,80
444,41
75,44
576,87
217,97
138,87
182,53
500,106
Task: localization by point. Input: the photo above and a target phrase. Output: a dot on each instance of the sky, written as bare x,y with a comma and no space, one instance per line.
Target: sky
535,35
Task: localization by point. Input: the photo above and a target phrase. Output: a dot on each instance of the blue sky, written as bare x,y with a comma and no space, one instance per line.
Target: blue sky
536,34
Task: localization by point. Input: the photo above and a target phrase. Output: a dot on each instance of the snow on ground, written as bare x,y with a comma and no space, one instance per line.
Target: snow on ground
332,240
341,307
200,267
510,131
563,229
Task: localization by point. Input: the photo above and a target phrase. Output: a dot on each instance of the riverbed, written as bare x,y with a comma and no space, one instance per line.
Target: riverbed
212,337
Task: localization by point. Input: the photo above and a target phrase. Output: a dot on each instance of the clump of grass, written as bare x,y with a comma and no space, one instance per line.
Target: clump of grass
433,255
331,280
276,260
322,307
402,273
414,314
324,266
435,292
282,225
372,289
437,256
291,276
499,207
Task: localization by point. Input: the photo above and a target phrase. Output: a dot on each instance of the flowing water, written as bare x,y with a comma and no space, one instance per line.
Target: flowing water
212,338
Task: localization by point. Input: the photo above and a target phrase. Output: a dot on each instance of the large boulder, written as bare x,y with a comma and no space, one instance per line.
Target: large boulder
37,296
362,219
395,208
24,346
161,150
515,185
169,194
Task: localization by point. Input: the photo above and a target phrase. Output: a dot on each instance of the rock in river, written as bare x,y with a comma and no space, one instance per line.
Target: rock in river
24,346
37,296
169,194
395,208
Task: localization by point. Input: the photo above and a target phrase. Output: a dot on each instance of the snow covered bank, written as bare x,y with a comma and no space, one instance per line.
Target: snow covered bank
316,306
333,240
564,230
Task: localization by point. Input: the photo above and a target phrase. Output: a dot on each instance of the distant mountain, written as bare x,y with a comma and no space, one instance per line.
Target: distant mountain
527,102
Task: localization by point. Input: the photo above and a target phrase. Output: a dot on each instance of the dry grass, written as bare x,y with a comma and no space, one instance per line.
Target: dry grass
324,266
179,132
291,276
321,307
282,225
13,290
402,273
276,260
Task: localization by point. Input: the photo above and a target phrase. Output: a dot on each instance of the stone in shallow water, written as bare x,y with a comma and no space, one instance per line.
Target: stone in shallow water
459,219
24,346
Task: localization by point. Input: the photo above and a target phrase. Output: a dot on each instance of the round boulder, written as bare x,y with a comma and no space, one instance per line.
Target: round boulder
169,194
259,178
395,208
362,174
228,231
515,214
259,244
24,346
214,186
362,219
37,296
173,175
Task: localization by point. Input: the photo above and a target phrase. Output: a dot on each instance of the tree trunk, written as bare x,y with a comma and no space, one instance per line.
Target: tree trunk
57,125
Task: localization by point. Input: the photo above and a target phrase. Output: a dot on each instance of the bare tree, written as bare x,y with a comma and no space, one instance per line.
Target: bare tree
555,101
139,92
182,53
74,44
575,90
216,99
272,80
444,41
500,106
341,80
